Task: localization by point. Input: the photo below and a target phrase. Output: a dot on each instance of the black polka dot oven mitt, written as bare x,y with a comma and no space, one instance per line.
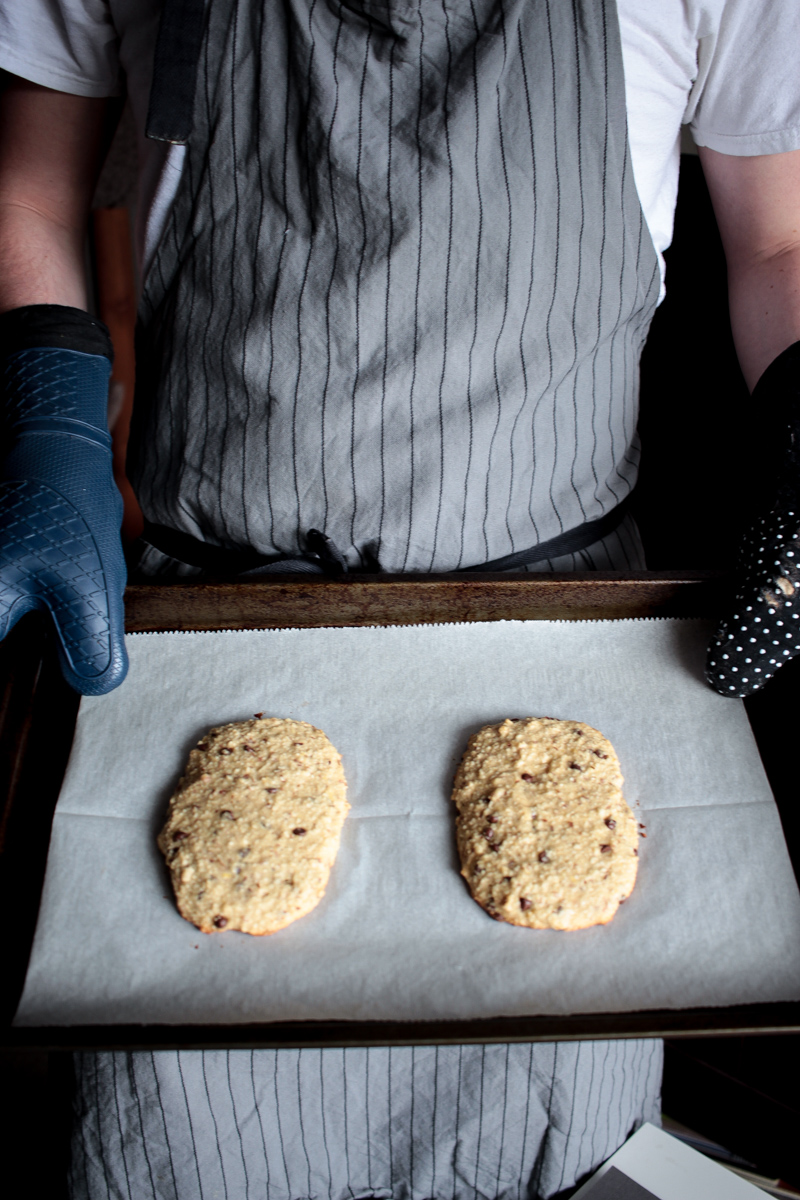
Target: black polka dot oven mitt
761,631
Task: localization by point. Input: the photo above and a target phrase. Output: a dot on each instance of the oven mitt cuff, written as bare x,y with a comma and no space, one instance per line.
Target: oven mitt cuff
60,511
761,631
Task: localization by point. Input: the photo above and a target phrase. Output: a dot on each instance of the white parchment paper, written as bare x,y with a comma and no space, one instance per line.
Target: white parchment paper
714,918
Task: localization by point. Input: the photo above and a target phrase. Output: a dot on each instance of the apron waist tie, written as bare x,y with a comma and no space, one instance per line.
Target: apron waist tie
569,542
322,556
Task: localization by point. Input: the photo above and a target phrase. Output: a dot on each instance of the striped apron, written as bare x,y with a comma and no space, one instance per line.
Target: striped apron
400,299
404,286
394,1123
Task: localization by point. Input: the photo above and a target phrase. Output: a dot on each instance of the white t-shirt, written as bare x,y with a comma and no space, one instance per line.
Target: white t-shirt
728,68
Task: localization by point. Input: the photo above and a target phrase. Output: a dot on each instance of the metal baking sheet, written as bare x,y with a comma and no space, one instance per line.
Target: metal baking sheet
714,920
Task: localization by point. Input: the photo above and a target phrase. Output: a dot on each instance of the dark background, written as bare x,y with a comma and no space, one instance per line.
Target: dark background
702,462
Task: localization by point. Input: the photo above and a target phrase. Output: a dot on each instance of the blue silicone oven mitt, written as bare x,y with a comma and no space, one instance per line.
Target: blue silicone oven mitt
60,510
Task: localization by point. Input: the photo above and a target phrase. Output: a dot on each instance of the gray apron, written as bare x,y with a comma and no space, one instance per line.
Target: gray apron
404,286
489,1122
400,299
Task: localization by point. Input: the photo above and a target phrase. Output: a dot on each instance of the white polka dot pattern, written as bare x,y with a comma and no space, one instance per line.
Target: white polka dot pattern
762,632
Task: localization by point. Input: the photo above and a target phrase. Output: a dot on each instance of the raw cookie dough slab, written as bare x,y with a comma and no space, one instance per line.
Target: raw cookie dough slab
545,837
714,918
253,827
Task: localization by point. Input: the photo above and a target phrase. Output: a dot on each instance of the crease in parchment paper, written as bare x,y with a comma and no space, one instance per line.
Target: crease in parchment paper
714,918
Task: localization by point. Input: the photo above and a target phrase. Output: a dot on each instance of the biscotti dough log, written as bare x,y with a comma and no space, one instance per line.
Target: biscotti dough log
545,837
253,828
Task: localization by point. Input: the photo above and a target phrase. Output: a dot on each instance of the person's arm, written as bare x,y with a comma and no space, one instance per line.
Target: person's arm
50,146
757,205
60,512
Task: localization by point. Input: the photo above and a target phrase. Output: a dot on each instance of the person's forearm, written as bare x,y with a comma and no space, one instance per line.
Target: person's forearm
40,261
757,205
765,310
49,151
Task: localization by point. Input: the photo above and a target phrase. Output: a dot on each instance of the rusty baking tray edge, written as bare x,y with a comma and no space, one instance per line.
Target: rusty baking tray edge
37,716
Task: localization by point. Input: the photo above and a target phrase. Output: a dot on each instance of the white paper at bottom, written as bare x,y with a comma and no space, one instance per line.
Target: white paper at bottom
714,918
668,1170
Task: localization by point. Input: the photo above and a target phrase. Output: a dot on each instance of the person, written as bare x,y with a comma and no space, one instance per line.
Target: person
395,290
